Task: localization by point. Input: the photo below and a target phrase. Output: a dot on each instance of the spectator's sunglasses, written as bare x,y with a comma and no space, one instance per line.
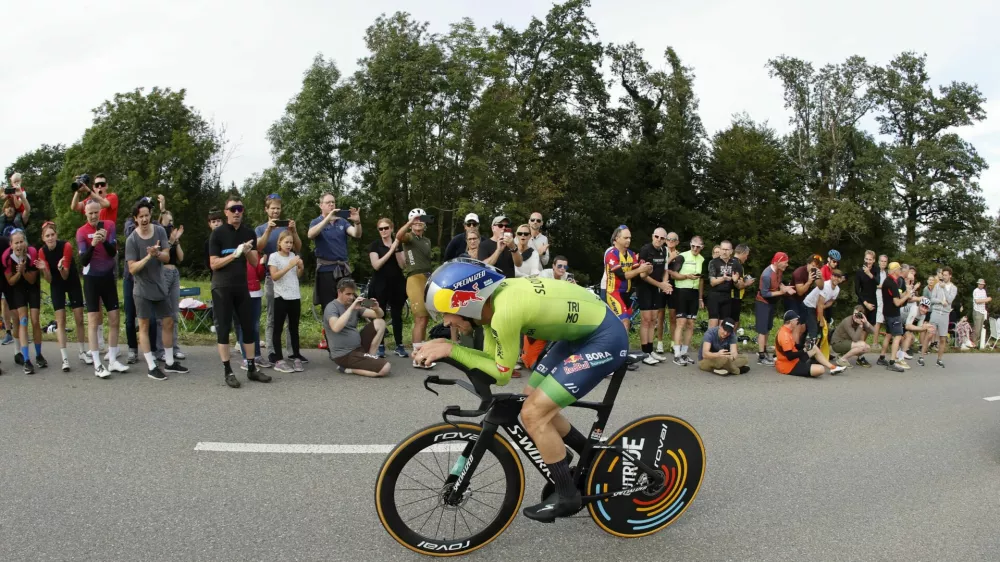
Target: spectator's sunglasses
502,225
655,237
534,220
672,239
385,227
101,184
471,223
561,266
522,233
235,209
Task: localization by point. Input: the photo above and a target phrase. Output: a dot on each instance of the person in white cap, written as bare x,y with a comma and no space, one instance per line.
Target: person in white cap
457,245
979,300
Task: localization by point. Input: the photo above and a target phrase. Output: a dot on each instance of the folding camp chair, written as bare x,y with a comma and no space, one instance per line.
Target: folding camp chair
994,325
194,318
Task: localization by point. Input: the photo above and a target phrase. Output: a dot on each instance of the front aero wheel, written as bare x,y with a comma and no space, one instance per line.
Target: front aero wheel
417,476
666,443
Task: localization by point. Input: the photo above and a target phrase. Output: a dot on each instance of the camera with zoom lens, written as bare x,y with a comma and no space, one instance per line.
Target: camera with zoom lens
80,181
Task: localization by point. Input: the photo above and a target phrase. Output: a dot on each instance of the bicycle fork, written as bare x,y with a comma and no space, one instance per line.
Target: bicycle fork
466,464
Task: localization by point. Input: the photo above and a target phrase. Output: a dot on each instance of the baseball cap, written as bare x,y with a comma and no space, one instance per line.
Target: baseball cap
498,219
981,282
779,256
472,217
894,266
791,315
728,324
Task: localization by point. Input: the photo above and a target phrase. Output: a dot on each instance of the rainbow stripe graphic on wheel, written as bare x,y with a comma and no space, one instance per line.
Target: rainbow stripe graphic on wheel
665,442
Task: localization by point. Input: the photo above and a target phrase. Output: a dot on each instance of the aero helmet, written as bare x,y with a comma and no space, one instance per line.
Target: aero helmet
461,286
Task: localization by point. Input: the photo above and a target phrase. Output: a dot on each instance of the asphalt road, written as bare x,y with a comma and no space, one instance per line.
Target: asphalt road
870,465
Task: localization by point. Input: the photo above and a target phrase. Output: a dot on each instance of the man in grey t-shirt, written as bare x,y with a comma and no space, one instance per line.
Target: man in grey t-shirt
354,352
146,250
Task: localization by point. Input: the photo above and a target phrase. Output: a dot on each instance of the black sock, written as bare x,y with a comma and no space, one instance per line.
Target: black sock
227,367
647,348
251,367
575,440
761,354
892,361
563,481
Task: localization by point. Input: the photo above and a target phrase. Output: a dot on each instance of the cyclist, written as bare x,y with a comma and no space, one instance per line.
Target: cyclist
590,342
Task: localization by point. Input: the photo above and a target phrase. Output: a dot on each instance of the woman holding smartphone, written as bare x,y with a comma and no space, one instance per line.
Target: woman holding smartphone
287,302
21,264
388,285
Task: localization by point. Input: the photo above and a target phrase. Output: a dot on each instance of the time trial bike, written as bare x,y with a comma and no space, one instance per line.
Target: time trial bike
453,487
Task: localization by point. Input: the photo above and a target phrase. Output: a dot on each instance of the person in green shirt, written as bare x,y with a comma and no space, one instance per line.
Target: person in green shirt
589,343
417,264
689,286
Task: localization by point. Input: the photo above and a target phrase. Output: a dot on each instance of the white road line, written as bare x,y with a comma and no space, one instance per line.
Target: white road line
991,398
313,449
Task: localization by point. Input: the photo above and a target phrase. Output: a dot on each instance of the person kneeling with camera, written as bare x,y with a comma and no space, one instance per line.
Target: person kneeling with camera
353,352
848,340
718,353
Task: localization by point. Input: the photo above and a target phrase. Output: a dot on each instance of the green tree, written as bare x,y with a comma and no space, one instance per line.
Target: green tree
934,171
39,170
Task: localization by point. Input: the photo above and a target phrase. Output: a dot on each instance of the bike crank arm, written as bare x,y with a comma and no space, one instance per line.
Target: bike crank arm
625,492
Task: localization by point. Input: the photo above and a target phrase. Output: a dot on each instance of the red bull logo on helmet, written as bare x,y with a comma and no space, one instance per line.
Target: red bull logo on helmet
451,301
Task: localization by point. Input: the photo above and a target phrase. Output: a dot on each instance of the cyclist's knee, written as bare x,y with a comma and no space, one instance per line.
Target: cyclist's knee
538,410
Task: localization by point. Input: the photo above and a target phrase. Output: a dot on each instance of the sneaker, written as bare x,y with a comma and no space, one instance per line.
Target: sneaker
345,371
232,381
842,362
658,356
903,364
132,357
175,367
156,374
65,365
744,370
282,366
262,362
297,365
895,368
8,339
687,359
721,372
862,362
258,376
554,506
298,356
102,372
18,358
920,361
86,358
659,348
178,354
381,351
401,351
117,367
649,360
29,369
881,362
765,360
243,365
41,362
907,355
940,363
837,370
679,361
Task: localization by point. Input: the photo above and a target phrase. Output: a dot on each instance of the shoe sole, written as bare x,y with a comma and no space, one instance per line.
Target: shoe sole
156,378
170,370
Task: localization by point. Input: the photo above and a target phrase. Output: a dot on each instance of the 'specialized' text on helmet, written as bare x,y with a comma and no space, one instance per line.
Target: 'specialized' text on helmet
461,286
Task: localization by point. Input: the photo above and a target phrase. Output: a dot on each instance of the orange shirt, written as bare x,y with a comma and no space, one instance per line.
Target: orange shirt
785,342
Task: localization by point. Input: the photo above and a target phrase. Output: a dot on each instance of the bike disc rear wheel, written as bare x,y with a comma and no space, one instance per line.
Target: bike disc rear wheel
667,443
414,479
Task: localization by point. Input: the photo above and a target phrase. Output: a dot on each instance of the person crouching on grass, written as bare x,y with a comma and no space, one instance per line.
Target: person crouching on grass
793,360
21,264
287,302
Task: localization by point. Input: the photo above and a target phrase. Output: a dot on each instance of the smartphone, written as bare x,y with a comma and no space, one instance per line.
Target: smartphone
285,222
369,303
427,219
570,278
9,190
343,213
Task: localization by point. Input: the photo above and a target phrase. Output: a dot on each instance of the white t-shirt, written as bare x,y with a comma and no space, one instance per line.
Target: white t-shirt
288,286
979,307
914,317
829,292
529,267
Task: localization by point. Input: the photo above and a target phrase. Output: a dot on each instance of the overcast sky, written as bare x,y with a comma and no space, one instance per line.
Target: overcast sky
241,61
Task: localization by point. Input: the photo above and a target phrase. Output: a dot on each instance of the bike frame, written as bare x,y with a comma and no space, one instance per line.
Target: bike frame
502,410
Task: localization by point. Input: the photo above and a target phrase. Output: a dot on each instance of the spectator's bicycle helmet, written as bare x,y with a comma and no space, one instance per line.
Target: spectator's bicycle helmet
461,286
834,254
924,301
416,213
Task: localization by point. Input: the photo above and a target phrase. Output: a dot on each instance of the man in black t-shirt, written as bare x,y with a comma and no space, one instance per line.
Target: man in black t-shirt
500,251
740,281
652,293
721,279
892,300
230,247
